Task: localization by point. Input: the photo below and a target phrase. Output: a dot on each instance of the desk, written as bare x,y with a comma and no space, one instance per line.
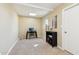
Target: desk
35,32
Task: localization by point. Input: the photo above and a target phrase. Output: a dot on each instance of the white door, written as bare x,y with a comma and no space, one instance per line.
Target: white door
65,33
70,29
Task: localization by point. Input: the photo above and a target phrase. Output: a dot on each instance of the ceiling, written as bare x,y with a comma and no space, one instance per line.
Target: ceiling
40,9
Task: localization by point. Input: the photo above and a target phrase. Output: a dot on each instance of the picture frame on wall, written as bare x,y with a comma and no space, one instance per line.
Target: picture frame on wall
54,22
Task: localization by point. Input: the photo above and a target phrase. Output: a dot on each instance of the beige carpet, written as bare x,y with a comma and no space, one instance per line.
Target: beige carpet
35,47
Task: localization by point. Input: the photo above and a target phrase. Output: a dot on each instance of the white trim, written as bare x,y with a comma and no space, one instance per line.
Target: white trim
70,6
35,6
12,46
60,47
65,50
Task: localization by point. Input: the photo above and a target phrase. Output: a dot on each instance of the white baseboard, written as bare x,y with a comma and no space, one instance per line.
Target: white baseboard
60,47
12,46
65,50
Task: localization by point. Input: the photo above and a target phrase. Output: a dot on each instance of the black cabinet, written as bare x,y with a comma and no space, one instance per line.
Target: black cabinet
51,38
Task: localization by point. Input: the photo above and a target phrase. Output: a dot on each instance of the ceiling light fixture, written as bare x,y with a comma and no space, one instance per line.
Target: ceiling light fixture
32,14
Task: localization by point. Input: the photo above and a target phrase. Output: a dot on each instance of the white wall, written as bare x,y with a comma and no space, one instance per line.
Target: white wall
8,27
44,23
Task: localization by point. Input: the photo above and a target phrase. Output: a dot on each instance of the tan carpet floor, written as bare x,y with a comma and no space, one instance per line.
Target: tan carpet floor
35,47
